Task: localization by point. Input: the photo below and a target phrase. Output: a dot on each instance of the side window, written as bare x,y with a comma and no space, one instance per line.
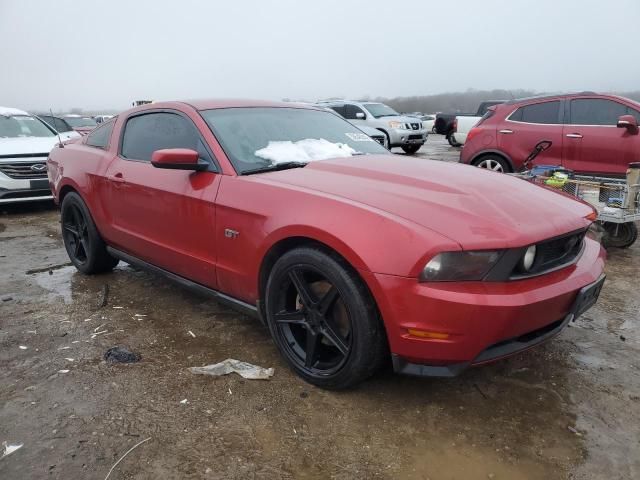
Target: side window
100,136
339,109
596,111
351,111
545,112
144,134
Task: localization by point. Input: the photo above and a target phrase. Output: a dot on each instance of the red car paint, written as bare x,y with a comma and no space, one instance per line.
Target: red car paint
577,144
386,215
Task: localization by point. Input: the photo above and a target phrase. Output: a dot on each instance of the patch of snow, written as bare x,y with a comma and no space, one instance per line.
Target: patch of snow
306,150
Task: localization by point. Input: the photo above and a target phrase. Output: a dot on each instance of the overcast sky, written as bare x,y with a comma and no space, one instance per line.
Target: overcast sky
106,53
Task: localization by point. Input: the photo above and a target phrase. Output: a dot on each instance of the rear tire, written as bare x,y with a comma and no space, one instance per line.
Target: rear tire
452,141
84,245
492,162
323,319
411,149
619,235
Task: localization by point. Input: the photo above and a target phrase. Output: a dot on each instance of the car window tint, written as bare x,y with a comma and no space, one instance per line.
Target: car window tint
351,111
596,111
340,110
100,136
144,134
545,112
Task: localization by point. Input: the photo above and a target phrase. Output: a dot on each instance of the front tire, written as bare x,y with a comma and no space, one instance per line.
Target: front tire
84,245
411,149
323,319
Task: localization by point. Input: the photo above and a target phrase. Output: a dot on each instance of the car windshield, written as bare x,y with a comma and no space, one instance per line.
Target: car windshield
380,110
257,138
81,121
14,126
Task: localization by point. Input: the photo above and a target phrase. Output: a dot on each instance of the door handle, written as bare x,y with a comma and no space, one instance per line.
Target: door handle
117,178
505,132
573,135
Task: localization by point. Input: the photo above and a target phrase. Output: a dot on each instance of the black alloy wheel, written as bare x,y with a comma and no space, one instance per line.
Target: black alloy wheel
75,234
84,245
323,320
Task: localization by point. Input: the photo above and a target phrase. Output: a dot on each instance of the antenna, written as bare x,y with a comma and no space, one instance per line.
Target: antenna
56,130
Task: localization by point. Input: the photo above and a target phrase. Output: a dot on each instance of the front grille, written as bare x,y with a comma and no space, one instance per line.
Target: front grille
23,170
415,126
415,137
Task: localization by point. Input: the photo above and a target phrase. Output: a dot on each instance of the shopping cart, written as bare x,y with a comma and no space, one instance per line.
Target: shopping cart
617,200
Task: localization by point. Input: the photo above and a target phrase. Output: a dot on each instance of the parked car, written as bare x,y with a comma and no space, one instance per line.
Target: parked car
428,122
25,142
580,126
102,118
372,133
401,131
346,252
445,122
60,125
82,125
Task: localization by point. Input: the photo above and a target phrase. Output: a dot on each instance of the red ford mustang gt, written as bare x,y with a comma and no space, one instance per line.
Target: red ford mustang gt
346,252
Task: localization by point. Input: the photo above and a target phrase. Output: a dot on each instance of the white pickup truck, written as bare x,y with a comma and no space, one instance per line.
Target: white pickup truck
463,123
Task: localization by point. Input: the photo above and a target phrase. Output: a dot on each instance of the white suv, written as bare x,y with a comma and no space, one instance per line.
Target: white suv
401,131
25,143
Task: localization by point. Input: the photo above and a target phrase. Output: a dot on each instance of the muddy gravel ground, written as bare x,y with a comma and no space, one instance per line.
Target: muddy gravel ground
568,409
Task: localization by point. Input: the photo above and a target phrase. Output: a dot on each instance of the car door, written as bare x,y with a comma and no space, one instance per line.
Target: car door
528,125
162,216
592,143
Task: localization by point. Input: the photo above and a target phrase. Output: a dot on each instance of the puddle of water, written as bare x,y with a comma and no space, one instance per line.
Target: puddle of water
58,282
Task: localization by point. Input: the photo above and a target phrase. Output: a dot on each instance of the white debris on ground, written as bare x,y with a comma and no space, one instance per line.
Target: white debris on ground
305,150
8,449
244,369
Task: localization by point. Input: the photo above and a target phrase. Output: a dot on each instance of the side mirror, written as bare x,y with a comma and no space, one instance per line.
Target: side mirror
360,116
629,122
177,159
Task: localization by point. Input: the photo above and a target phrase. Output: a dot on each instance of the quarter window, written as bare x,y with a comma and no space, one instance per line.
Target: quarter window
545,112
100,136
144,134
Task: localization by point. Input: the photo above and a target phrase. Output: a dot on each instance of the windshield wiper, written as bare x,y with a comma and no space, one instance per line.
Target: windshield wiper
276,166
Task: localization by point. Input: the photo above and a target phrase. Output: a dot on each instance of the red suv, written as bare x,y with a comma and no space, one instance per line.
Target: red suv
581,126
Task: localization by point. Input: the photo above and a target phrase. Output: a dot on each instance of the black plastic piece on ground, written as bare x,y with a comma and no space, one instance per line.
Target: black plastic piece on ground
120,354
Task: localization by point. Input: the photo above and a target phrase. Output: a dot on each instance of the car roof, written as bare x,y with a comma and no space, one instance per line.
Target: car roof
566,95
215,103
6,111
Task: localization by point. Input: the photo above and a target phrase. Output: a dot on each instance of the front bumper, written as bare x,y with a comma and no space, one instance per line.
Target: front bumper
484,321
399,138
17,190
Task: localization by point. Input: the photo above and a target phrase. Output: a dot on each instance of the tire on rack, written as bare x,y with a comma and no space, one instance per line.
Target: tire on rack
323,319
619,235
411,149
492,162
84,245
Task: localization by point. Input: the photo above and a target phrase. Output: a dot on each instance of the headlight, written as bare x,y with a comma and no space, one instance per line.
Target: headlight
525,264
399,125
459,266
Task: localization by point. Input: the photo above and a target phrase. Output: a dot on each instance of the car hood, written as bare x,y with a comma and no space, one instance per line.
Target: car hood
27,145
474,207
